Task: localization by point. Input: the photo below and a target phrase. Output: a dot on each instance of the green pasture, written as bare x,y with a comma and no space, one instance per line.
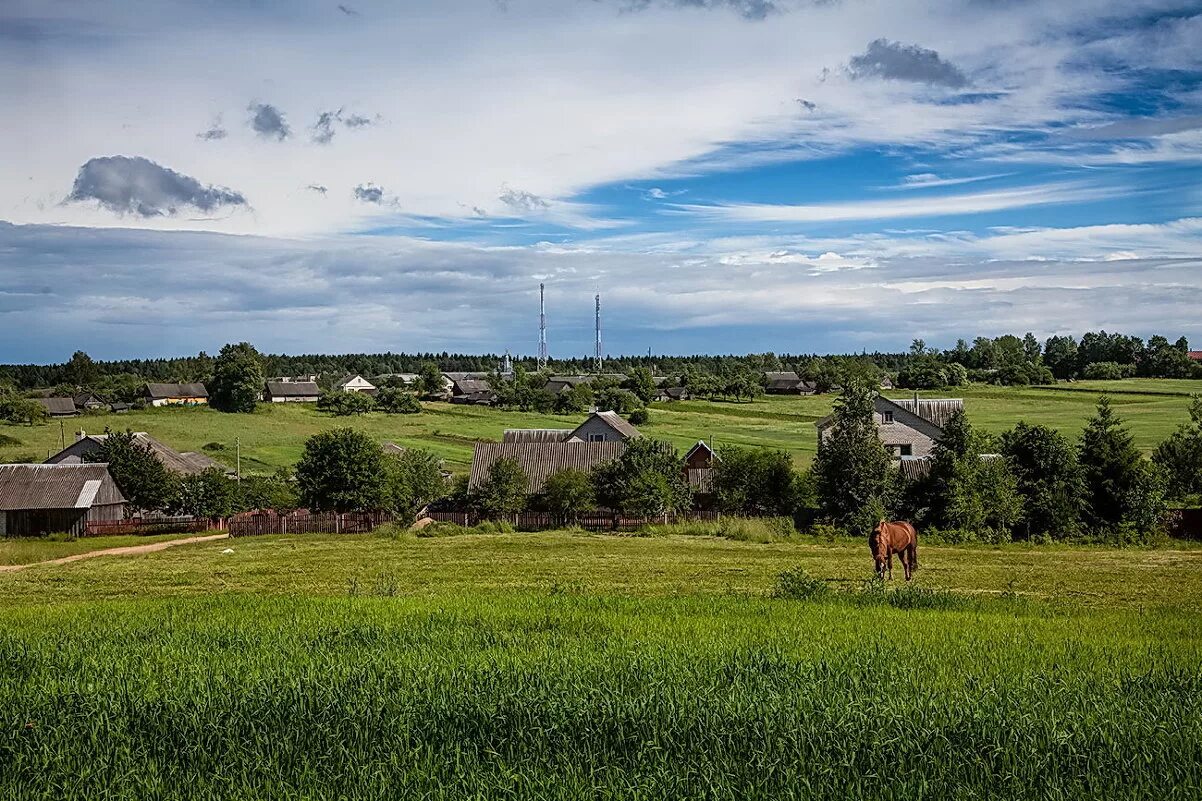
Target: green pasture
573,666
274,436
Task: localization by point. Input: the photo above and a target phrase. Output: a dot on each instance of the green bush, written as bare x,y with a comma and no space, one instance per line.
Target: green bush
798,585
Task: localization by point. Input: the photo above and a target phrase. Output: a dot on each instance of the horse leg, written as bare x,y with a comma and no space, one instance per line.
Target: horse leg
907,562
890,565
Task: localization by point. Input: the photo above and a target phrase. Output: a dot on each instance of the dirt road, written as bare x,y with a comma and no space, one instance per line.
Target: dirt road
127,550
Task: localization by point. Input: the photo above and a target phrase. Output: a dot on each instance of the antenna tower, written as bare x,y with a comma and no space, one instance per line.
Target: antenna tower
542,329
597,349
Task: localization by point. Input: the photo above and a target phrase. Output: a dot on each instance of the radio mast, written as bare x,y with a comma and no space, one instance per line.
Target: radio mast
542,329
597,349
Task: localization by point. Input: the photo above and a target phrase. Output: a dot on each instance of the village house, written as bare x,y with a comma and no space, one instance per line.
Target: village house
1195,355
58,407
907,427
311,378
699,466
787,383
37,499
166,394
473,391
186,464
355,383
291,392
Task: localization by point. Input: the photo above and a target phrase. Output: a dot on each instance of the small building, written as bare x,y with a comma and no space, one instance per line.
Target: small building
539,460
89,402
604,427
669,393
58,407
355,383
787,383
291,392
164,394
907,427
1195,355
699,465
886,382
472,391
187,463
311,378
38,499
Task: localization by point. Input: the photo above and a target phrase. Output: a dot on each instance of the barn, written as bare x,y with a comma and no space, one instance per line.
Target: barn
38,499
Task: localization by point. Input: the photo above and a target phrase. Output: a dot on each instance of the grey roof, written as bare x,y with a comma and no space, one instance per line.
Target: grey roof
614,421
536,434
933,410
58,406
56,486
470,386
349,377
540,459
188,463
702,445
162,390
915,467
293,389
782,375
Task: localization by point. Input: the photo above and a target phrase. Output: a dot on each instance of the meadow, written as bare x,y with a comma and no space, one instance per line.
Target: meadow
568,665
274,436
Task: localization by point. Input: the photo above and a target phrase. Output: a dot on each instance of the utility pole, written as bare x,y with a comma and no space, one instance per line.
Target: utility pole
542,328
597,348
238,459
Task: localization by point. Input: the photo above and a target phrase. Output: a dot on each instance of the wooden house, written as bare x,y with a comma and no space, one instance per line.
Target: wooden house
907,427
291,392
167,394
186,464
787,383
37,499
58,407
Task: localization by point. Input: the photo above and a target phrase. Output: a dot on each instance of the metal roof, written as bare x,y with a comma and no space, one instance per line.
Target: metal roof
188,463
540,459
614,421
162,390
58,406
56,486
536,434
293,389
933,410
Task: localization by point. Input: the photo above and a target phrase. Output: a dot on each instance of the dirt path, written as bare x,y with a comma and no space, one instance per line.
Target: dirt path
126,550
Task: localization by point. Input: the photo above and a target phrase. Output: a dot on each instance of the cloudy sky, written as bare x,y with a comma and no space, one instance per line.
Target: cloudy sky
730,175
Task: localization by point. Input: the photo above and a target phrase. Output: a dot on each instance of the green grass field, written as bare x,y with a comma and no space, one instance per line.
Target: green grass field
25,551
274,436
564,665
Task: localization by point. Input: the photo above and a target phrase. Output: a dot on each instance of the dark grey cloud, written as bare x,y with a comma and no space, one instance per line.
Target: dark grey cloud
350,12
808,105
135,185
318,188
268,121
1140,128
747,9
901,62
213,132
369,193
522,201
358,121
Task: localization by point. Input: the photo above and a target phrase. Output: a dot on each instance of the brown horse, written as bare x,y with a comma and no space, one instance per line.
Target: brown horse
894,538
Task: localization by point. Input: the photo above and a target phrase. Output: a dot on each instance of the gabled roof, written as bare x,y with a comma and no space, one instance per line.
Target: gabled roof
293,389
470,386
782,375
187,463
536,434
84,398
704,446
162,390
58,406
1195,355
56,486
540,459
614,421
349,377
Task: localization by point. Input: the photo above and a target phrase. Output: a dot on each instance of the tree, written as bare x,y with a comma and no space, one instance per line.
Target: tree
966,490
640,381
146,484
569,493
574,399
1180,456
429,382
1119,486
342,470
237,382
209,494
1031,348
1049,479
1060,354
396,401
277,491
647,479
415,481
504,491
852,467
81,370
755,481
15,409
344,404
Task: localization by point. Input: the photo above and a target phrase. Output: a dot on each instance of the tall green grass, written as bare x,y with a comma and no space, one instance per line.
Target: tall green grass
575,696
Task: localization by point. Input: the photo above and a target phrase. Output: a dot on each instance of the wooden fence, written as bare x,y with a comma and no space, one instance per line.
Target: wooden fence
149,525
606,521
304,522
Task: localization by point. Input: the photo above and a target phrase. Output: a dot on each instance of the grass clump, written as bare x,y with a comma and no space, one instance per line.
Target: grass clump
798,585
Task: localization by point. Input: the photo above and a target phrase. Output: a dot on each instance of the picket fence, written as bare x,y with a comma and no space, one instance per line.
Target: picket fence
302,521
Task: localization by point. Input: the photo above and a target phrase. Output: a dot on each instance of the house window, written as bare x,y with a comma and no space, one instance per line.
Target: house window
596,438
900,450
886,417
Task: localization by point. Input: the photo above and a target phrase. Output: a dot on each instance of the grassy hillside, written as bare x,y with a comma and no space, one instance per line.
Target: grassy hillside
576,666
273,437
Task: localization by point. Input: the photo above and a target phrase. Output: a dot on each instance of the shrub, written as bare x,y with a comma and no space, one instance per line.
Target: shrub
639,417
1105,371
798,585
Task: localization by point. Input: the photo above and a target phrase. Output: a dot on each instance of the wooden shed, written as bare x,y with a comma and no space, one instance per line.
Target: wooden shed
38,499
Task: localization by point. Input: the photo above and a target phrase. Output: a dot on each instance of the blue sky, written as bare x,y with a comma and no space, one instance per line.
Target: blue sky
730,175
